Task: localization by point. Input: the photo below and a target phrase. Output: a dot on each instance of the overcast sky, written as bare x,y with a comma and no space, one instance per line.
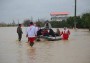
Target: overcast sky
18,10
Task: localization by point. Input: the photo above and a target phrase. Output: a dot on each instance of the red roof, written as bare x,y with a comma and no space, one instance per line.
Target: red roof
59,13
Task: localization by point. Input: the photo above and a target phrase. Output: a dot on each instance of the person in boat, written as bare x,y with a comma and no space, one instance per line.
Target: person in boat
38,31
51,32
31,33
47,25
65,33
37,27
19,32
58,33
45,32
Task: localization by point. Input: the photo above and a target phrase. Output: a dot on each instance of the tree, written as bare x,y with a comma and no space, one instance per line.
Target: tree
70,22
13,23
26,22
40,23
86,19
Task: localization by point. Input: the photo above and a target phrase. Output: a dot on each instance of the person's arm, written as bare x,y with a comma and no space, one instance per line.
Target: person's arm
17,30
27,32
61,32
68,32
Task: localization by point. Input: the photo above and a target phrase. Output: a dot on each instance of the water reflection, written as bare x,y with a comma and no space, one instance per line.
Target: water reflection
19,44
65,41
20,55
31,55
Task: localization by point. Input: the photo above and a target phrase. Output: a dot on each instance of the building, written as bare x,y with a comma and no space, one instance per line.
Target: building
59,16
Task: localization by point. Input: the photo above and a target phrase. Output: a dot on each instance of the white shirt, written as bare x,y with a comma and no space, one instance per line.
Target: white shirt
37,29
31,31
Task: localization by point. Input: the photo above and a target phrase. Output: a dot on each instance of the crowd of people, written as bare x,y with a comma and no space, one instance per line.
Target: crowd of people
35,31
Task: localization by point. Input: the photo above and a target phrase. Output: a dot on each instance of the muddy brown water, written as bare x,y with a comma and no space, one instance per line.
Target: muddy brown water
74,50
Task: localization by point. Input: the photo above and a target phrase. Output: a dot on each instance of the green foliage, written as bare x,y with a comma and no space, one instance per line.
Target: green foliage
58,24
86,20
70,22
40,23
81,22
55,24
26,22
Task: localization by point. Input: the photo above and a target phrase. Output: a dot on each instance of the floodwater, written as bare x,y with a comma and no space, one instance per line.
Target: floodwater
74,50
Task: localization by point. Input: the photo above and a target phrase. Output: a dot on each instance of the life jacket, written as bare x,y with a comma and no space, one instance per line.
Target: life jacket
65,34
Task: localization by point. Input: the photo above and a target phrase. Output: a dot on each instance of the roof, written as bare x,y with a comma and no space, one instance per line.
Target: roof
59,13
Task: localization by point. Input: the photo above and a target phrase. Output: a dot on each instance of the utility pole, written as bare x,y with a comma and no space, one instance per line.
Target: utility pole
75,14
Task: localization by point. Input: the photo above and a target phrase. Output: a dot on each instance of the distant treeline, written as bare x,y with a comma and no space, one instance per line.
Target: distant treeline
7,25
81,22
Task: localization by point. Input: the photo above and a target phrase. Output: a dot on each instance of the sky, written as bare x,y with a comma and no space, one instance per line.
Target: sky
19,10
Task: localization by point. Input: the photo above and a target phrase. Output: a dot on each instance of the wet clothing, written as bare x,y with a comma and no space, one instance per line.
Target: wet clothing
19,36
31,39
19,31
31,33
65,34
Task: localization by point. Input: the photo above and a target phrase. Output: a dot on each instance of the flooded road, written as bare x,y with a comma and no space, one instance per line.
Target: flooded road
74,50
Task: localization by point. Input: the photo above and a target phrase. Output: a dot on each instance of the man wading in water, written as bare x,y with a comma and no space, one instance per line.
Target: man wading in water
31,33
19,31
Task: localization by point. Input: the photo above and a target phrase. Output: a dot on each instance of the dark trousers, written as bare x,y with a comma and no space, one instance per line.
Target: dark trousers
31,44
39,32
19,36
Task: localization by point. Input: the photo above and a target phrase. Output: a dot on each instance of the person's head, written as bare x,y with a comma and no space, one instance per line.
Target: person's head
47,24
19,25
58,29
31,23
65,28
